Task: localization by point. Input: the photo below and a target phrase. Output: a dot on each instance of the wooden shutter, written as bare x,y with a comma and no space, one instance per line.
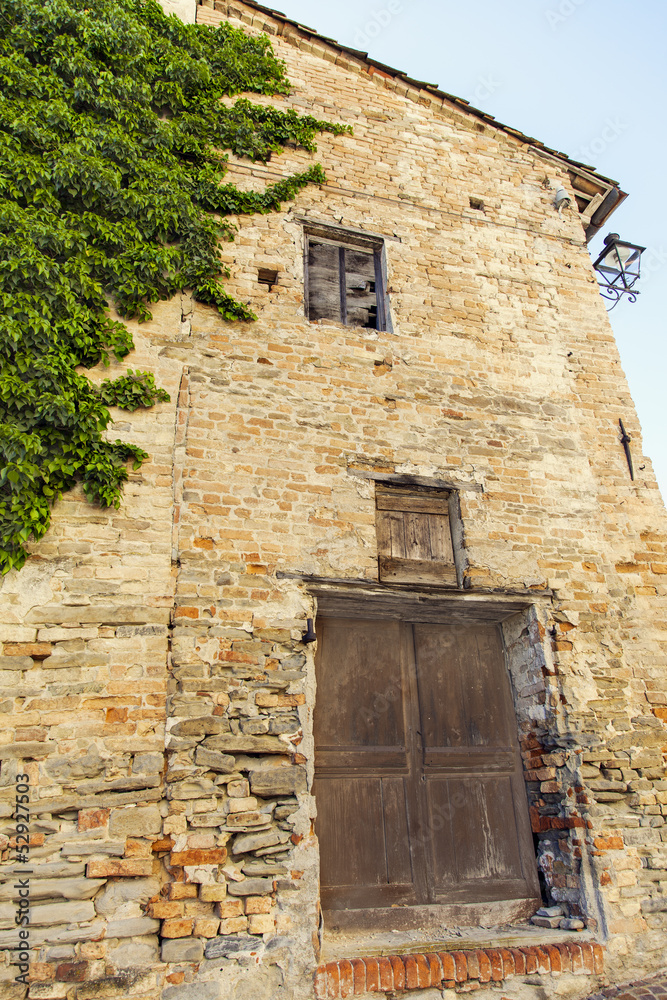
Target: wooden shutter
414,537
345,283
418,777
361,303
323,281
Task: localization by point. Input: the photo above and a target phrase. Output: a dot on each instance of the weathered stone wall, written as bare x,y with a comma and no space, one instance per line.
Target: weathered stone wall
170,750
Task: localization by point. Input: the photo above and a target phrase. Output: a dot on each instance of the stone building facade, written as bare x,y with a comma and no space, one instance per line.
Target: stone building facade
157,692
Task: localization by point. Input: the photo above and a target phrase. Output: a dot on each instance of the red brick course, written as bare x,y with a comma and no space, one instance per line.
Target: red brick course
654,988
348,978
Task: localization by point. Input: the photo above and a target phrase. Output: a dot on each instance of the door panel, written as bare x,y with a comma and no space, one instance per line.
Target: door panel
362,764
360,700
340,804
463,666
477,842
396,831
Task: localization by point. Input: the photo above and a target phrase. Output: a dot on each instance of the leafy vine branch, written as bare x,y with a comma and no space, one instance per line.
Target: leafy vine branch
112,160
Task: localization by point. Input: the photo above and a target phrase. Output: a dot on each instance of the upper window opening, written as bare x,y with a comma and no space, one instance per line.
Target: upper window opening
344,281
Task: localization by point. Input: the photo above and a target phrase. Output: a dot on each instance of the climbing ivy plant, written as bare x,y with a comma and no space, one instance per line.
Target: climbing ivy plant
115,126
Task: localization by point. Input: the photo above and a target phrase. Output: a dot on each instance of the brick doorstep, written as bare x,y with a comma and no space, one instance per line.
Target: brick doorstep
352,977
640,989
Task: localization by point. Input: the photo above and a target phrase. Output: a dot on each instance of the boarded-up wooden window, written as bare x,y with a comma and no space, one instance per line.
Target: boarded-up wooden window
414,535
421,800
344,282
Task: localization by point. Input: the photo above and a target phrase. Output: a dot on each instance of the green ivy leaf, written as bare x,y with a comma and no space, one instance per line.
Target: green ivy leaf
112,139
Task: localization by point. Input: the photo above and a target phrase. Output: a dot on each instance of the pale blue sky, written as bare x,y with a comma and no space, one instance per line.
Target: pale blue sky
588,77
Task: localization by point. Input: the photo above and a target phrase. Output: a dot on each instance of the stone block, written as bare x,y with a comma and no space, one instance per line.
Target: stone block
213,856
60,934
16,663
213,893
182,950
260,923
208,725
72,972
269,781
179,927
550,911
230,908
202,788
242,805
43,991
162,845
88,765
238,789
233,925
246,744
546,921
132,927
74,661
264,867
35,650
266,699
71,912
42,971
27,751
258,904
81,848
67,888
182,890
147,763
92,819
251,887
138,847
164,909
215,761
135,821
96,614
137,952
206,927
119,869
126,897
247,821
658,905
234,947
246,842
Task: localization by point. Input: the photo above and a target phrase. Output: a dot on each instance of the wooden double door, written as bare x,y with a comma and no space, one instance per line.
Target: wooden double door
418,779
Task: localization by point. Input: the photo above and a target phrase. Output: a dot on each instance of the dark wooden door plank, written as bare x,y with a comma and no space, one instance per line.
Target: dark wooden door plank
362,763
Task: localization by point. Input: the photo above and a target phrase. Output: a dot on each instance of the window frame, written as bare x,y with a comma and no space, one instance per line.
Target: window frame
345,239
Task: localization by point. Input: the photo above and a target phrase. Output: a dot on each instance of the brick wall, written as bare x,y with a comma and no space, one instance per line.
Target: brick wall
170,750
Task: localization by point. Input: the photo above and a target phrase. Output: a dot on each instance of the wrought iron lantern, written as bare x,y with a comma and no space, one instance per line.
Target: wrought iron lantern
618,269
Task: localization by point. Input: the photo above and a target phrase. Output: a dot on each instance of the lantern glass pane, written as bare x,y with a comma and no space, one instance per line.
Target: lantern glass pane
610,261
